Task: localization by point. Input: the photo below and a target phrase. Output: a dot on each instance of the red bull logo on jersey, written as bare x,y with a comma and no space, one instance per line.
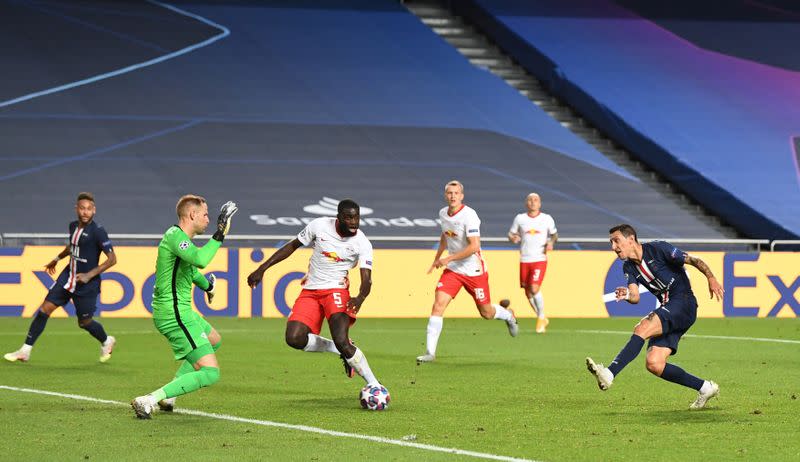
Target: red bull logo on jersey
332,256
450,233
532,232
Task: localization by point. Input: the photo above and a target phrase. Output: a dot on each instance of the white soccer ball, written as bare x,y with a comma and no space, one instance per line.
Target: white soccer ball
375,397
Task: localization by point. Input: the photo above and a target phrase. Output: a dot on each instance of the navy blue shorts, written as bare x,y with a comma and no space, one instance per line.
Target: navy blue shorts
85,305
677,316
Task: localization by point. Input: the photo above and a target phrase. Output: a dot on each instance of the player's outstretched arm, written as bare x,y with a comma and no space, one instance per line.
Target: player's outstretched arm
51,266
437,262
714,287
281,254
111,260
354,304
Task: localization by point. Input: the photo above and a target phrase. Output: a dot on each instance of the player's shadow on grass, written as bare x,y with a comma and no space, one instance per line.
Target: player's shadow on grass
343,402
679,416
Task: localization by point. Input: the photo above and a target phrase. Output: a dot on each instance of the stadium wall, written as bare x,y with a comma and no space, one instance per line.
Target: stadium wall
578,284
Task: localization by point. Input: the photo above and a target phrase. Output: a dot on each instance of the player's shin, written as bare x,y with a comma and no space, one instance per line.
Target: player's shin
433,332
532,301
359,363
628,353
188,383
677,375
317,343
538,301
38,324
96,330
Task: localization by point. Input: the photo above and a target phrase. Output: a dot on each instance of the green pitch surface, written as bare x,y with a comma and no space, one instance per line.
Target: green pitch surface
528,398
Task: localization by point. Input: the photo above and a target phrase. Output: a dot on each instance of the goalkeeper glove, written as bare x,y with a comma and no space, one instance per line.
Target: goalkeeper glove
211,283
224,220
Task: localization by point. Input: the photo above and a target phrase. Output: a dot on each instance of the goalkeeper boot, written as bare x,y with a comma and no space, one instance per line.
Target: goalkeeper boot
167,404
143,406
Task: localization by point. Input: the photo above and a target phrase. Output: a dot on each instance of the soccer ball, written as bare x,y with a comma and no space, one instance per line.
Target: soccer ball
375,397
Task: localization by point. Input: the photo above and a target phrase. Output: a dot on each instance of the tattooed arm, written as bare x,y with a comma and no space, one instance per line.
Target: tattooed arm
714,287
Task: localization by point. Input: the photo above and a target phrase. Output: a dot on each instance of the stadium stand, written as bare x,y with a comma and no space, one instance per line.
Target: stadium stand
284,106
703,93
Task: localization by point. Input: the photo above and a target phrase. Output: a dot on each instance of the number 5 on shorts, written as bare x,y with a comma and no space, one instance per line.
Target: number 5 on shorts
337,298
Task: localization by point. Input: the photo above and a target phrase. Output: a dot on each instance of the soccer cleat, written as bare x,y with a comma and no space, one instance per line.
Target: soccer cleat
426,358
541,325
107,348
167,404
348,369
143,406
513,327
18,355
604,376
702,398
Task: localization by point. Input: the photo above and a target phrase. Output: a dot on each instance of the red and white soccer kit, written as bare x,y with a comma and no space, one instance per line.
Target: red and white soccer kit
469,272
325,287
535,232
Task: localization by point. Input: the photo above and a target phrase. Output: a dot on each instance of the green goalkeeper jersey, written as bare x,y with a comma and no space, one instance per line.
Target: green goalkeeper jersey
176,270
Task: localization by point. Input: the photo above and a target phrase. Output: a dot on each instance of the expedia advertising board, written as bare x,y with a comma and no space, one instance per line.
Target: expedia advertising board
577,284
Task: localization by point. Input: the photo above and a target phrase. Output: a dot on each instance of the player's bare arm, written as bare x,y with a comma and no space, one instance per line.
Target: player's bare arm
473,246
354,304
514,237
714,287
551,243
439,252
629,294
111,260
51,266
281,254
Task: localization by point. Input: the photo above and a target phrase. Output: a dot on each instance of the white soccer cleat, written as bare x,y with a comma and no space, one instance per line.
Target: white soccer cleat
702,398
541,325
143,406
513,327
107,348
604,376
18,355
426,358
167,404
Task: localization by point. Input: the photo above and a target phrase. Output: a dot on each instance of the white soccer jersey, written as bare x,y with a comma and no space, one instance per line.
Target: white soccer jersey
456,228
333,255
535,232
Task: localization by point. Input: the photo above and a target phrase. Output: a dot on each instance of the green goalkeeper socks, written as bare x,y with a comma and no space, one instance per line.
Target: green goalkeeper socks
189,382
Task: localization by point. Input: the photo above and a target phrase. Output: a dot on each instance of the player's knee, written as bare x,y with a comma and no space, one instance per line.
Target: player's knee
655,365
535,289
209,376
296,341
83,323
486,311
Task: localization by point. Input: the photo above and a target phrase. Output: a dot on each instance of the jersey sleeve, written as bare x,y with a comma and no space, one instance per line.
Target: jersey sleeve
552,230
181,246
308,234
630,275
199,279
472,225
365,255
674,256
103,241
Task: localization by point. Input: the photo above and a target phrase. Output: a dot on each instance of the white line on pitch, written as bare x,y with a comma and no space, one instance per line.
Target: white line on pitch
267,423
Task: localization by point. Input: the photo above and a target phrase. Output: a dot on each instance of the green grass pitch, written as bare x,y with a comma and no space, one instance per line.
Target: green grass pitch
529,397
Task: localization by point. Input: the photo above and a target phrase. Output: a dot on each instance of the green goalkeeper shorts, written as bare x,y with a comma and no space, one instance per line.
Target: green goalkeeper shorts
185,334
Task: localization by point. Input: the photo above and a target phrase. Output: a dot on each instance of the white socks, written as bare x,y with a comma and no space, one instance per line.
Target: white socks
706,388
318,344
501,313
537,303
434,330
359,363
26,348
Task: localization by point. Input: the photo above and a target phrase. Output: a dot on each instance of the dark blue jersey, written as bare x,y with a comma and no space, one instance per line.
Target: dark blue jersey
85,245
661,271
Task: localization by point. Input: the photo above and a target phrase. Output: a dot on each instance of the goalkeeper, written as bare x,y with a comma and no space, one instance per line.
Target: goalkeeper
191,337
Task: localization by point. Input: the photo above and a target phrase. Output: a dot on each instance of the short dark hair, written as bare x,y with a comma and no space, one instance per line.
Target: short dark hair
186,201
347,204
85,196
626,230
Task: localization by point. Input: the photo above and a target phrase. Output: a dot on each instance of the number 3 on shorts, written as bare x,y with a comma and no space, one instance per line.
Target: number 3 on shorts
337,298
479,293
